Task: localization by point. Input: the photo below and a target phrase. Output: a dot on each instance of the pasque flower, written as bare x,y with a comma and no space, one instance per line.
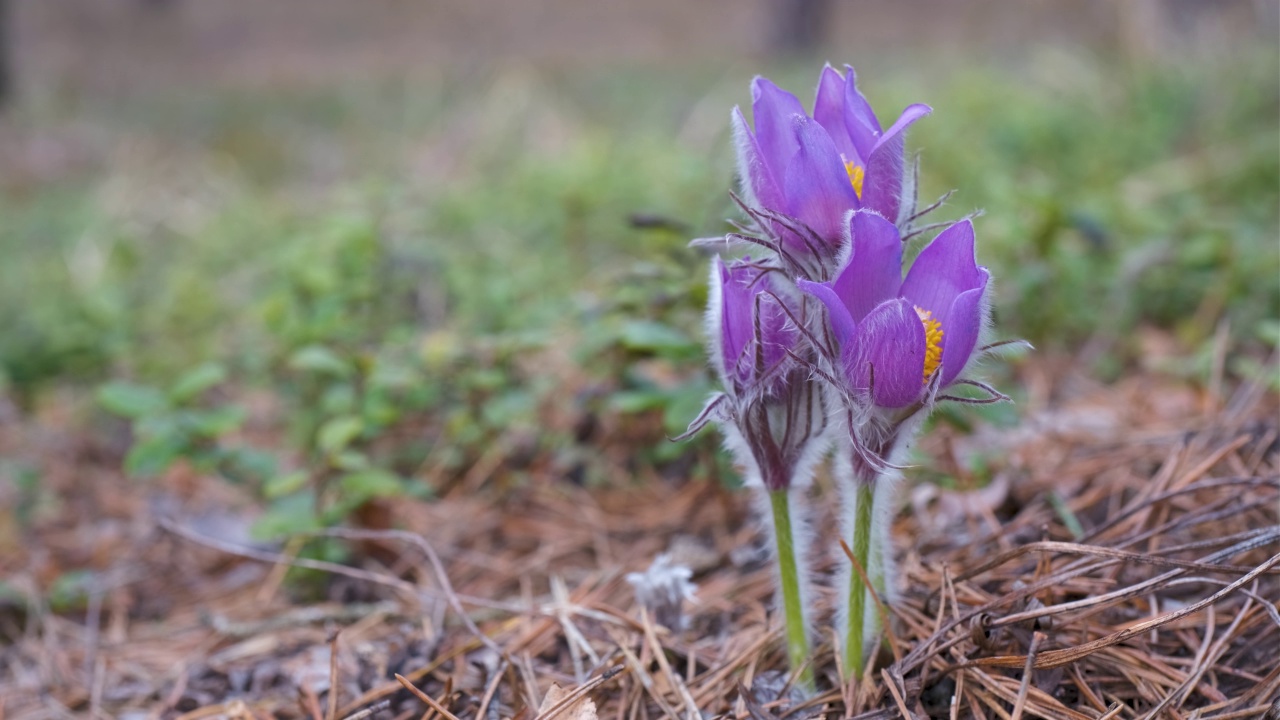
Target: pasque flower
815,169
898,343
753,335
772,413
824,331
771,410
895,335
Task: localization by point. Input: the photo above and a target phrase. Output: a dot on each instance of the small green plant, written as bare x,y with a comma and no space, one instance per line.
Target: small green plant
342,405
179,422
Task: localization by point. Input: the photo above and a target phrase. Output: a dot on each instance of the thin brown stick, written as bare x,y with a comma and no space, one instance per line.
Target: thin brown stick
897,695
1066,548
491,690
332,713
369,711
673,678
437,567
425,698
1025,686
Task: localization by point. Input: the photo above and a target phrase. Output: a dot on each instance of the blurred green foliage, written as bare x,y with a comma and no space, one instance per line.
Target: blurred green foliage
416,277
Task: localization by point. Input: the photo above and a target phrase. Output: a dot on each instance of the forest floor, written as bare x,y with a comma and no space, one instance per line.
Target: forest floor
1121,558
1114,552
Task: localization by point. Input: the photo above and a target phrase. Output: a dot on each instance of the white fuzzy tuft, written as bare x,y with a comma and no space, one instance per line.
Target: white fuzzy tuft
713,324
908,198
662,590
743,138
798,506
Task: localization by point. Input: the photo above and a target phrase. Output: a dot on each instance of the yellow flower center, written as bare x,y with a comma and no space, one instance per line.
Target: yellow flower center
932,342
856,174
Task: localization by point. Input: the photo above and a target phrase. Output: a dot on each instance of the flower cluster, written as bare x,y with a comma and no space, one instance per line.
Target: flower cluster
820,341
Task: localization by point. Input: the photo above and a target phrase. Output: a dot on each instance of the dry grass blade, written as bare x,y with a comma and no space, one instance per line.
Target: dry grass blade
1057,658
896,693
673,679
431,702
1066,548
442,577
1020,704
332,712
369,711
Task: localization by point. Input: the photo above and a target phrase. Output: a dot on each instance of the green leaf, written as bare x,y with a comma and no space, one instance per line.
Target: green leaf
215,422
509,408
1268,331
320,360
358,487
161,424
486,379
288,515
70,590
287,484
194,382
637,401
337,433
440,348
130,400
152,456
349,460
419,490
247,464
339,399
650,336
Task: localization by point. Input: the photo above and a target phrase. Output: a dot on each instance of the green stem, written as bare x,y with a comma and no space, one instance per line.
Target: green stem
853,650
793,610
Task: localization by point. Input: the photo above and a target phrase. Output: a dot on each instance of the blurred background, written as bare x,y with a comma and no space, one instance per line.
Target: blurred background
320,254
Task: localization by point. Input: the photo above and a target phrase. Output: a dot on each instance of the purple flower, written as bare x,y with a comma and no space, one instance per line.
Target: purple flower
772,410
816,169
749,327
896,334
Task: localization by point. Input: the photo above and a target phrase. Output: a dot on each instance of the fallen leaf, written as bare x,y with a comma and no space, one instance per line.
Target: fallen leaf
584,708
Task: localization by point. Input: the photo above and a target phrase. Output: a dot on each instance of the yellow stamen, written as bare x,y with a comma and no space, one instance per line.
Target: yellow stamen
856,175
932,342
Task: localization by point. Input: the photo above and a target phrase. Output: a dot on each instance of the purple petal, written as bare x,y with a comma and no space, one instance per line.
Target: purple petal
758,180
911,114
860,120
960,331
887,355
842,323
873,272
754,332
772,109
734,314
943,270
816,183
882,190
828,110
777,334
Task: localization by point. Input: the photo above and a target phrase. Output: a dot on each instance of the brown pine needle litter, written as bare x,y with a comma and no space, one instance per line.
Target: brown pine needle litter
1120,559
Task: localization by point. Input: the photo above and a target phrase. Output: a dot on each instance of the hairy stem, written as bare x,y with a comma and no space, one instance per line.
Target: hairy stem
788,570
854,652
